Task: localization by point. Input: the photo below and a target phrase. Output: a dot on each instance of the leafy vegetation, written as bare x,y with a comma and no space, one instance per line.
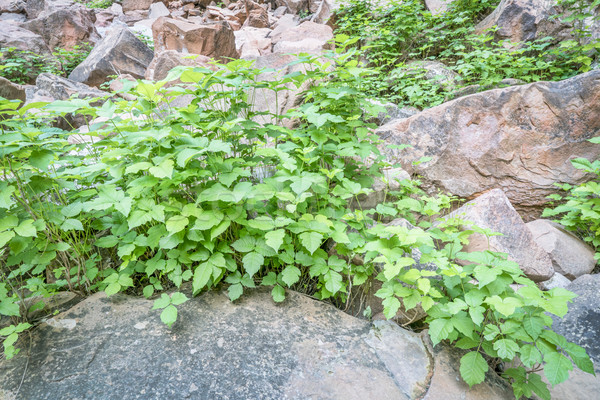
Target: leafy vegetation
96,3
395,33
579,209
204,195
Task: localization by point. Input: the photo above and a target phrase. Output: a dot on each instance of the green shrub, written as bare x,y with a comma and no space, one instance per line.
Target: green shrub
204,194
22,67
69,59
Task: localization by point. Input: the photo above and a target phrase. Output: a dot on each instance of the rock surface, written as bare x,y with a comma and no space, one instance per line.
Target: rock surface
166,60
11,91
570,256
493,211
119,52
520,139
438,6
307,37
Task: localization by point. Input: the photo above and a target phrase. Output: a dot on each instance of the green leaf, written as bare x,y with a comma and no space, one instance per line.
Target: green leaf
163,301
440,329
533,325
41,158
202,275
6,192
473,368
580,358
178,298
71,224
235,291
72,209
530,355
540,388
269,279
217,230
169,315
107,241
506,348
333,281
252,262
556,368
177,223
278,294
311,241
26,229
163,170
244,244
148,291
274,239
290,275
9,308
112,288
391,305
5,237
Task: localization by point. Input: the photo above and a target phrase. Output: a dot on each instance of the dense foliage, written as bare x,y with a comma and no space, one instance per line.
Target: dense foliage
395,33
204,194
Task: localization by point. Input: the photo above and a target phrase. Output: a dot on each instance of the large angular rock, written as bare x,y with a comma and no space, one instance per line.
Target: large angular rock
119,52
34,8
65,27
293,6
493,211
438,6
166,60
325,12
250,349
253,42
11,91
308,37
214,40
12,6
526,20
22,39
520,139
570,256
134,5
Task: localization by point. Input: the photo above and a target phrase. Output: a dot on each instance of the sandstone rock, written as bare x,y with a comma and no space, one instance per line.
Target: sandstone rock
493,211
293,6
12,6
62,89
166,60
308,37
11,91
570,256
520,139
65,27
525,20
557,280
119,52
22,39
158,10
34,8
214,40
134,5
438,6
392,112
253,42
257,17
325,12
253,348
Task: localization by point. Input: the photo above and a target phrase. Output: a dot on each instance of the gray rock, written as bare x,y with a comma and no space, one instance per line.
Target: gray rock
12,35
520,139
12,6
392,112
438,6
34,8
12,18
62,89
251,349
158,10
134,5
493,211
308,37
557,280
570,256
119,52
380,189
293,6
11,91
434,71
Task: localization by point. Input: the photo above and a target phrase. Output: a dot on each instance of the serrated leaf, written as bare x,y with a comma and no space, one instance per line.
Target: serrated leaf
177,223
391,305
473,368
245,244
506,348
27,229
235,291
311,241
530,355
333,281
440,329
290,275
178,298
163,301
169,315
274,239
9,308
5,237
148,291
533,325
201,276
163,170
252,262
278,293
112,288
538,386
556,368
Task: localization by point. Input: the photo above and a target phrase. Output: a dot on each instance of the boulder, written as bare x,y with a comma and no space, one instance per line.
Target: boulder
257,15
434,71
308,37
12,6
253,348
158,10
166,60
22,39
570,256
11,91
65,27
325,12
119,52
214,40
12,18
293,6
438,6
380,189
253,42
557,280
520,139
34,8
493,211
525,20
134,5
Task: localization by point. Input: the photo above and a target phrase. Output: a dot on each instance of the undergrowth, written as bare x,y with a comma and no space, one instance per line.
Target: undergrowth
204,194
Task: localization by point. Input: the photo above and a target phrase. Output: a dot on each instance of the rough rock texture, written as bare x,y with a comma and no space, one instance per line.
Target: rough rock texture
437,6
65,27
520,139
34,8
12,6
324,13
557,280
434,71
215,40
525,20
293,6
119,52
570,256
11,91
251,349
14,36
253,42
380,188
133,5
158,10
308,37
493,211
166,60
580,326
62,89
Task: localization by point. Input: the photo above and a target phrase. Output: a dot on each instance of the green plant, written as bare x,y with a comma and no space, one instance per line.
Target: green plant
22,66
96,3
69,59
204,194
579,209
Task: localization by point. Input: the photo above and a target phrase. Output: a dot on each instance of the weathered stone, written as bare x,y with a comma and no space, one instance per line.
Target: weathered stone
11,91
284,23
158,10
293,6
308,37
570,256
166,60
65,27
380,189
134,5
257,17
392,112
472,89
62,89
520,139
253,42
253,348
214,40
119,52
22,39
493,211
12,18
525,20
325,12
446,383
12,6
434,71
557,280
34,8
438,6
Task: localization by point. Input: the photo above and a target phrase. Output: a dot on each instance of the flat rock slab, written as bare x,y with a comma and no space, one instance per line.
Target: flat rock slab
251,349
